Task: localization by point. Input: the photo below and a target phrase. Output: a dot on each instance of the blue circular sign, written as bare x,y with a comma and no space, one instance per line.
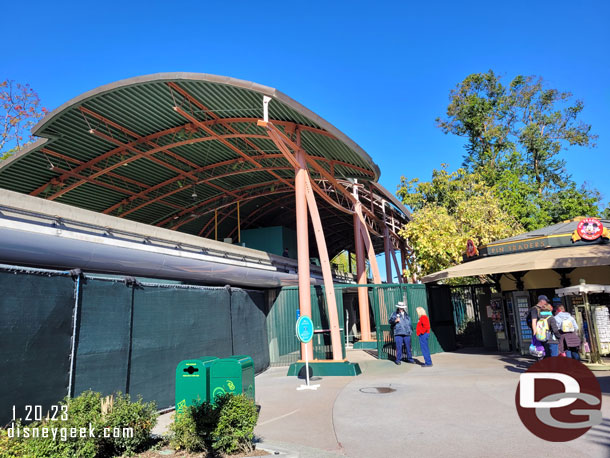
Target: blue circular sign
305,329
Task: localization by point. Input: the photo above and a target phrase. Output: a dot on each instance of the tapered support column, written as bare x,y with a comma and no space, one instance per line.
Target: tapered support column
386,249
363,294
303,247
329,287
305,198
399,272
403,262
368,246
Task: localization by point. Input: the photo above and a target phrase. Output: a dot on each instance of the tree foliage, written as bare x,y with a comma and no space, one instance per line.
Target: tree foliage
449,210
514,136
513,178
19,110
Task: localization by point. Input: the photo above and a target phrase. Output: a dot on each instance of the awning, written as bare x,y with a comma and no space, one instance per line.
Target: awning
555,258
579,289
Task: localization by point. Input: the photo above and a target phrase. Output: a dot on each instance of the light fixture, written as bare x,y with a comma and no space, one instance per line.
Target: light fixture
194,195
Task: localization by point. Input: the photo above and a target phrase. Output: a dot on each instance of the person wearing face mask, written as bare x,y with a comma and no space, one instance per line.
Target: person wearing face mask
401,325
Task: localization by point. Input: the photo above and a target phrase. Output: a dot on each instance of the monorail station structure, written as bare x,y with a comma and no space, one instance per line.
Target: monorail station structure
193,182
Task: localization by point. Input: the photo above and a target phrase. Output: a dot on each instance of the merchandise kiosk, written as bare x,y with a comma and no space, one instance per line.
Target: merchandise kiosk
593,322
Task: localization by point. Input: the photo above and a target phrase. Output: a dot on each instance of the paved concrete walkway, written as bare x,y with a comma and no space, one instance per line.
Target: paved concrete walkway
462,407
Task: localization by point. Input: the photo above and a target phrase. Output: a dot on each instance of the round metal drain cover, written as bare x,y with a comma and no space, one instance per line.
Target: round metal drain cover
377,390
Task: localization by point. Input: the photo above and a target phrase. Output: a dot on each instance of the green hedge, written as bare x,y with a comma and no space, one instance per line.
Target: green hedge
226,426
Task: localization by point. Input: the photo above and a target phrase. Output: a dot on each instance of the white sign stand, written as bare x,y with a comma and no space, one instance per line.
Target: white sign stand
307,386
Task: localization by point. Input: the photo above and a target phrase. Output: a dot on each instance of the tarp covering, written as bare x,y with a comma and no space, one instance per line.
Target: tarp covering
129,336
103,337
249,328
35,335
582,256
170,325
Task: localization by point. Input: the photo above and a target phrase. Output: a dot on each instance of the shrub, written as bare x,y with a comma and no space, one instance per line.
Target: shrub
10,447
226,426
236,421
192,429
139,415
84,410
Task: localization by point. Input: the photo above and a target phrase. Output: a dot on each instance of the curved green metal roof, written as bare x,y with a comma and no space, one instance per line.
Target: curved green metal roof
169,149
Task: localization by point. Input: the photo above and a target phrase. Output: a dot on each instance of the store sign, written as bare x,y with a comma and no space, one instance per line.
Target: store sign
590,229
518,246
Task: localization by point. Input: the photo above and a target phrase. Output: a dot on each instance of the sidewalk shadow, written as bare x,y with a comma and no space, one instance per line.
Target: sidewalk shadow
600,434
373,353
604,383
517,363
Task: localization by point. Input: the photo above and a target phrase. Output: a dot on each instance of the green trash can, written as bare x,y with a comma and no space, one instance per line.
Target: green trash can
193,382
234,374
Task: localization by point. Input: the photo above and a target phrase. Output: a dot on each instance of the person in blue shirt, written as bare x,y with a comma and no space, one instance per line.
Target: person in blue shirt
401,325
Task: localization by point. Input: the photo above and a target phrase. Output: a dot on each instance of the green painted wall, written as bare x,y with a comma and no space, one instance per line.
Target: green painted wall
271,239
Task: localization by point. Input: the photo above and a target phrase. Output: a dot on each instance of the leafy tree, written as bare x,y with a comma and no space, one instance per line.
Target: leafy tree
514,136
343,263
19,110
480,111
449,210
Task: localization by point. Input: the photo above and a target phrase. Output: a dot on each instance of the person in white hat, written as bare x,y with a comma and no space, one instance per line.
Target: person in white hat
401,325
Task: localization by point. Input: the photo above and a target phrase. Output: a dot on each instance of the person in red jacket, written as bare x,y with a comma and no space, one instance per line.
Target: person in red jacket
423,332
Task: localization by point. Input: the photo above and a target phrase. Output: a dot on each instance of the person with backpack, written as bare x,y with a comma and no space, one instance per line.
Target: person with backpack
532,319
552,341
533,314
401,325
569,340
547,331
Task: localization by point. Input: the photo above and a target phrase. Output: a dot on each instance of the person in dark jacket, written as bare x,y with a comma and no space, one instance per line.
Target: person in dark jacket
401,325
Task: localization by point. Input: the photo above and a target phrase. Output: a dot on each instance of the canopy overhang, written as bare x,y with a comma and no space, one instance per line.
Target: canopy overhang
179,150
556,258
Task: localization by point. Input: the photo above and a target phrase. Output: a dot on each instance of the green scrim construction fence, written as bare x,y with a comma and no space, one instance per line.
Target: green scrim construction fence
383,300
63,334
284,347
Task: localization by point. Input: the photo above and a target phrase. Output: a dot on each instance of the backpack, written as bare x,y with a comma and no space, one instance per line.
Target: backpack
542,329
528,316
567,326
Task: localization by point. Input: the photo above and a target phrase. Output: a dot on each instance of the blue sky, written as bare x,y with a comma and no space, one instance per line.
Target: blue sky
379,71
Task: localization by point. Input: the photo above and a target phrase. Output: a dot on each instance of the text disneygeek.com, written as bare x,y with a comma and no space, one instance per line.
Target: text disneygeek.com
58,414
63,433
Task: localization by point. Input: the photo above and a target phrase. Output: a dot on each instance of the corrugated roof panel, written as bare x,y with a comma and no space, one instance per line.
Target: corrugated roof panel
145,106
81,197
151,212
